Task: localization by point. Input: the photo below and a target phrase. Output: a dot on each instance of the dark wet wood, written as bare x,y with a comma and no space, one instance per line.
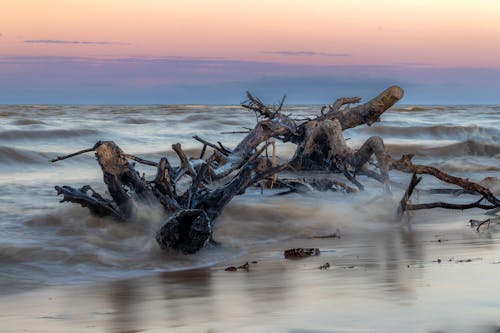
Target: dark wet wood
405,200
94,202
215,180
192,214
298,253
83,151
405,164
447,205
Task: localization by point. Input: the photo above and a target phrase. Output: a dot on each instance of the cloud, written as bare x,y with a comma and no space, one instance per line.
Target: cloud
308,53
72,42
425,64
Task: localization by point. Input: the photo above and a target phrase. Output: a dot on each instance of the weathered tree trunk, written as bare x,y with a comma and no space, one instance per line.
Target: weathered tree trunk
189,230
324,147
367,113
277,125
320,145
192,213
119,176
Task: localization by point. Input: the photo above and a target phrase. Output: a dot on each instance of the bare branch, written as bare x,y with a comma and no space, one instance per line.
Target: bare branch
140,160
406,165
405,200
59,158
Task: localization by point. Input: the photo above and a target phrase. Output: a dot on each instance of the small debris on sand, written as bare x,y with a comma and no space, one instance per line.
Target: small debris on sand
336,234
439,240
325,266
467,260
301,253
245,266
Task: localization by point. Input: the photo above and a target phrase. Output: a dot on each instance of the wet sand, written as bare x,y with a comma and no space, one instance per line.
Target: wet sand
439,276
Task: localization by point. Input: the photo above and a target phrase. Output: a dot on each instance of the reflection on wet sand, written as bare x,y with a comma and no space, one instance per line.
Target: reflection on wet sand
382,281
186,295
124,298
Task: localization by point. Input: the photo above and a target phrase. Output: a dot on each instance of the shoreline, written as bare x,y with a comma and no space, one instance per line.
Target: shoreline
436,274
388,281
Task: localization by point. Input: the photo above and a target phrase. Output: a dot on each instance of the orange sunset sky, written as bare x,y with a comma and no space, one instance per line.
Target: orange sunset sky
229,41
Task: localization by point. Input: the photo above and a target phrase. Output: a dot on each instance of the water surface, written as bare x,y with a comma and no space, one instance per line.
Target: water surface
384,275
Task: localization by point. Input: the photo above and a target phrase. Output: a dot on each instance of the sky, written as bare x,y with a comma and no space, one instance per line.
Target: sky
198,51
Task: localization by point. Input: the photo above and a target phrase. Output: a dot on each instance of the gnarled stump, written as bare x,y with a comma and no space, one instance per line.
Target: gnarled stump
320,145
320,141
324,148
192,213
188,230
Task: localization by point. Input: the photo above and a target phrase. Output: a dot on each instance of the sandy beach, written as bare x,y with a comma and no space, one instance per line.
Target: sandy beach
426,277
64,270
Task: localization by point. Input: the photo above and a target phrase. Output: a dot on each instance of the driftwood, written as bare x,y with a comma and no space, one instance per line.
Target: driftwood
192,213
321,146
487,222
406,165
318,139
194,193
298,253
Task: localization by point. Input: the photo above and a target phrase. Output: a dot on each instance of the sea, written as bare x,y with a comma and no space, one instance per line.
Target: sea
46,244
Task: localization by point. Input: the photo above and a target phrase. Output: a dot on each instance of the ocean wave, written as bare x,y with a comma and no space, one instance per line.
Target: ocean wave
458,165
469,147
493,183
66,238
27,253
27,121
412,108
438,131
71,235
7,114
10,155
418,108
137,120
45,134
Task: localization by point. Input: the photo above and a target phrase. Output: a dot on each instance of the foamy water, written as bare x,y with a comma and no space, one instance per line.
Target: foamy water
44,242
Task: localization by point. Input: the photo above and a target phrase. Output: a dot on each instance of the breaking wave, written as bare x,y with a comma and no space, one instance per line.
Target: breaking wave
136,120
469,147
27,121
436,131
460,165
417,108
15,155
45,134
